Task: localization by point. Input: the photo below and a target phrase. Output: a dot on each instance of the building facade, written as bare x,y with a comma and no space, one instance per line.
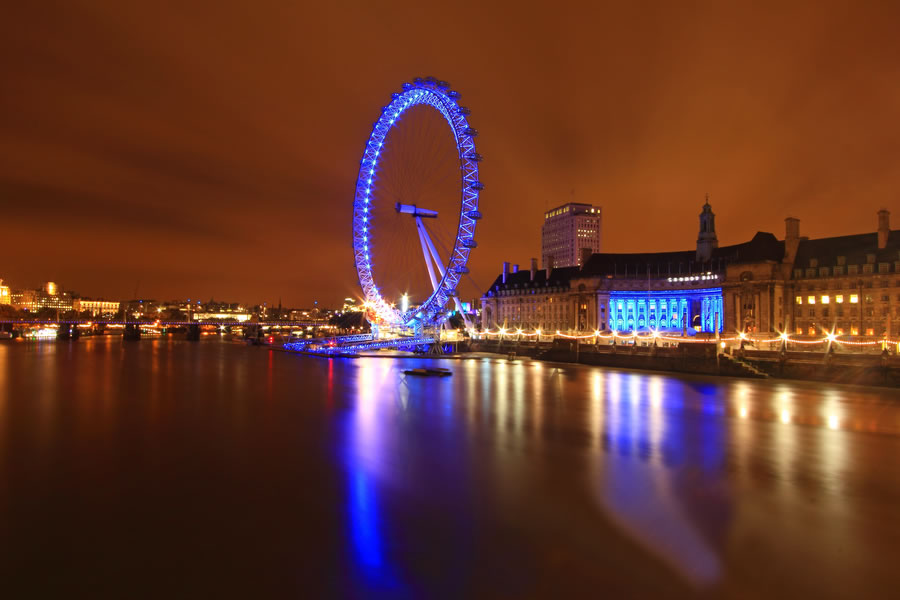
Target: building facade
849,285
50,296
569,234
95,307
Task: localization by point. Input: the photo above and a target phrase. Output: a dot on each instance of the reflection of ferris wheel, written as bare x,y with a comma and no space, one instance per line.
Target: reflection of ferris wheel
396,200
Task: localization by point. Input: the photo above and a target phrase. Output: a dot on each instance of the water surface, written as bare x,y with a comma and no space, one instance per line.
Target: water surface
165,468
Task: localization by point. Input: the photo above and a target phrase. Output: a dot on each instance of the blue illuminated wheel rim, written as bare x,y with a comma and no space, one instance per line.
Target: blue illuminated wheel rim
436,94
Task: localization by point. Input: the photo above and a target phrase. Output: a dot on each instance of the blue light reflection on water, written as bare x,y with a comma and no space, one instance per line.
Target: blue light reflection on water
659,464
364,523
647,440
641,475
363,455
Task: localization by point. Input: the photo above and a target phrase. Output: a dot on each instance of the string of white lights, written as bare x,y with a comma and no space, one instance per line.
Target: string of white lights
741,336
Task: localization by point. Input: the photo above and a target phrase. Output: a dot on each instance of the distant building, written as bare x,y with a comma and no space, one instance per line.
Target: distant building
5,296
352,305
848,284
222,315
47,297
95,307
570,232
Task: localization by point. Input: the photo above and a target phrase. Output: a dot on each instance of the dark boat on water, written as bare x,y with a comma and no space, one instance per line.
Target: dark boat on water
429,372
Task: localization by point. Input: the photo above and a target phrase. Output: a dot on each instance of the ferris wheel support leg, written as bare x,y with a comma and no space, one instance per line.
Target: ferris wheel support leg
423,233
434,253
426,244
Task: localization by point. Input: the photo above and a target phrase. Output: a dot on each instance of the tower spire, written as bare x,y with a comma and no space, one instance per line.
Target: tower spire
707,240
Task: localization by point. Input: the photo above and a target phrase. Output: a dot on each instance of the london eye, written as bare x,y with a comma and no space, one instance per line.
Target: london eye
416,207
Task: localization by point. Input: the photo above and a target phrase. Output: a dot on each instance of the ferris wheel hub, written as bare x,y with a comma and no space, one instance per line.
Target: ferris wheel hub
412,209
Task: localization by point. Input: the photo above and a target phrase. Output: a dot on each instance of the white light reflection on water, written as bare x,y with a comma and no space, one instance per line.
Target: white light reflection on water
501,395
537,389
519,405
832,446
4,386
832,410
595,414
785,437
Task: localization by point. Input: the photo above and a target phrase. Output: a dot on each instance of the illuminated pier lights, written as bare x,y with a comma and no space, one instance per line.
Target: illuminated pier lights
666,310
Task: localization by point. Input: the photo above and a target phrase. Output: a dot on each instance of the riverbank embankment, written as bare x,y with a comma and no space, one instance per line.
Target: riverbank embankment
705,359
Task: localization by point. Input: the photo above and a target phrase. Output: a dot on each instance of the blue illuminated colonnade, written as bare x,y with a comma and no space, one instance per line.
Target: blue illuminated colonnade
665,310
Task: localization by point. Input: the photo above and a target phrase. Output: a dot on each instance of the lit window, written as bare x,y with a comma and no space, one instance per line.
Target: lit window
854,298
811,300
839,299
799,299
826,299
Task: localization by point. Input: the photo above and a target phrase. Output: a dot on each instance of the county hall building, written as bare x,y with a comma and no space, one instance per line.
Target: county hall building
847,284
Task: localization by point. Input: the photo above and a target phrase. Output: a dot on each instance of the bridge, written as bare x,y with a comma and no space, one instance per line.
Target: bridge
49,322
132,329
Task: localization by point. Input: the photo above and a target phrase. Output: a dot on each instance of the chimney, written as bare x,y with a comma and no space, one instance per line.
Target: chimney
884,228
585,256
515,268
791,239
505,271
533,268
549,266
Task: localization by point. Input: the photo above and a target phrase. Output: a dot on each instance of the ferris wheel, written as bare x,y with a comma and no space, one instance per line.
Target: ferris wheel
416,198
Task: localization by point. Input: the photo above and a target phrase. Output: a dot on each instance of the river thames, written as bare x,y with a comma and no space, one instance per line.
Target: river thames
165,468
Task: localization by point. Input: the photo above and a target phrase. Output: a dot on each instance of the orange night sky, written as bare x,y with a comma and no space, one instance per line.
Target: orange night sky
211,150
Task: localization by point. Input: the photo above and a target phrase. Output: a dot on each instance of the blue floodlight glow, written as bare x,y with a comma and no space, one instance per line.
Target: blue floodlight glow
666,310
443,100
